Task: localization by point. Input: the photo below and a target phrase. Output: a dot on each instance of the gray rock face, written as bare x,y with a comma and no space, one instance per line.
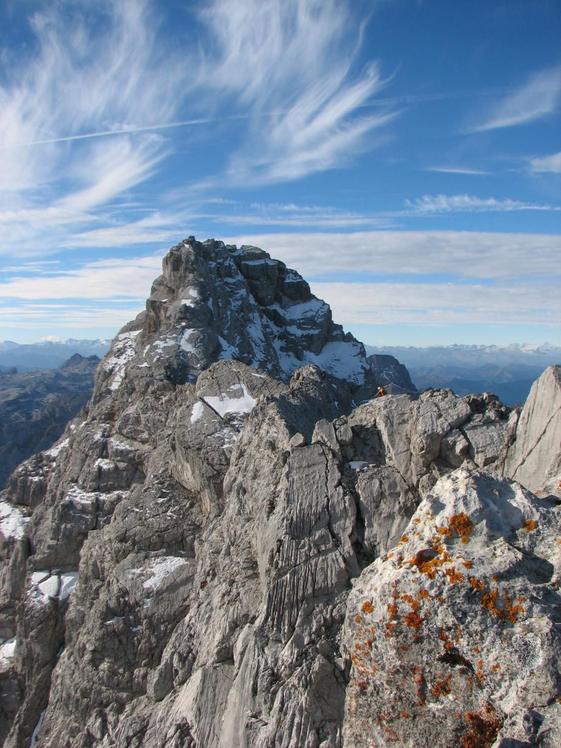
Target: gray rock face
36,406
177,570
534,458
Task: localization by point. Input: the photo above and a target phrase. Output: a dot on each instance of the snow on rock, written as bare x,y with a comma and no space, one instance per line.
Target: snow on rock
46,585
121,353
453,635
12,521
235,400
342,359
7,652
160,568
197,412
68,581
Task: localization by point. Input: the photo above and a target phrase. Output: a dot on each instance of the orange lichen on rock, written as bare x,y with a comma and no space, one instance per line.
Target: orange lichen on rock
404,539
413,620
467,563
505,609
358,619
430,559
392,611
367,607
483,728
530,525
476,584
454,576
441,687
461,525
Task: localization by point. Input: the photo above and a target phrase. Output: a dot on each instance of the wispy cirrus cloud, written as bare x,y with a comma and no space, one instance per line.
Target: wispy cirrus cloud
294,62
550,163
535,99
90,72
457,170
434,204
89,115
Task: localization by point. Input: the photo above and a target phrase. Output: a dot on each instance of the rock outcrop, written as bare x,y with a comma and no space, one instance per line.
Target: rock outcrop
36,406
190,565
534,458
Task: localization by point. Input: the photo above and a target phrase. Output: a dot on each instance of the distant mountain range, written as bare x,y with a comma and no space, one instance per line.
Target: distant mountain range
506,371
47,354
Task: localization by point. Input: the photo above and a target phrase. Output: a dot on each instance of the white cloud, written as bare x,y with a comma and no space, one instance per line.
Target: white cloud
504,278
538,97
114,279
457,170
433,204
468,254
292,63
547,163
441,303
289,214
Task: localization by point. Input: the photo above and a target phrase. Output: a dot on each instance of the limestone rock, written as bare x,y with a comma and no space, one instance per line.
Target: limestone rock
453,635
534,458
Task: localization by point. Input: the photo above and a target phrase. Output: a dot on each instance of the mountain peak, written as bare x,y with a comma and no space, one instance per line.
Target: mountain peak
215,301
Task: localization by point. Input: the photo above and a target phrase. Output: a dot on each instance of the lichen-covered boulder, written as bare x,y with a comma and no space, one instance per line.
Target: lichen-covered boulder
454,634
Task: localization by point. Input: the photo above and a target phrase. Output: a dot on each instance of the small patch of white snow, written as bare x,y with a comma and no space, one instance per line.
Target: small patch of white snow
241,402
197,412
12,521
160,568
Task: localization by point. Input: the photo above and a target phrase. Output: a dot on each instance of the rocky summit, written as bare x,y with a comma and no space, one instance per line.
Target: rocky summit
238,545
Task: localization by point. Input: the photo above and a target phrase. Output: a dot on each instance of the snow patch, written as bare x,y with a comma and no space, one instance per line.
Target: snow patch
47,586
185,342
240,401
7,651
68,581
12,521
123,351
191,297
358,464
197,412
160,568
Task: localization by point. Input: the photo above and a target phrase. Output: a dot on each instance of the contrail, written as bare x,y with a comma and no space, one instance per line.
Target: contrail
126,130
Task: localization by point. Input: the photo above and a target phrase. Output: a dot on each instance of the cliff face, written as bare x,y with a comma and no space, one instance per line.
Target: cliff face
212,555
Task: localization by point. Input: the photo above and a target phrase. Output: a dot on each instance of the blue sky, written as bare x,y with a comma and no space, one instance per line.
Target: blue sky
404,155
